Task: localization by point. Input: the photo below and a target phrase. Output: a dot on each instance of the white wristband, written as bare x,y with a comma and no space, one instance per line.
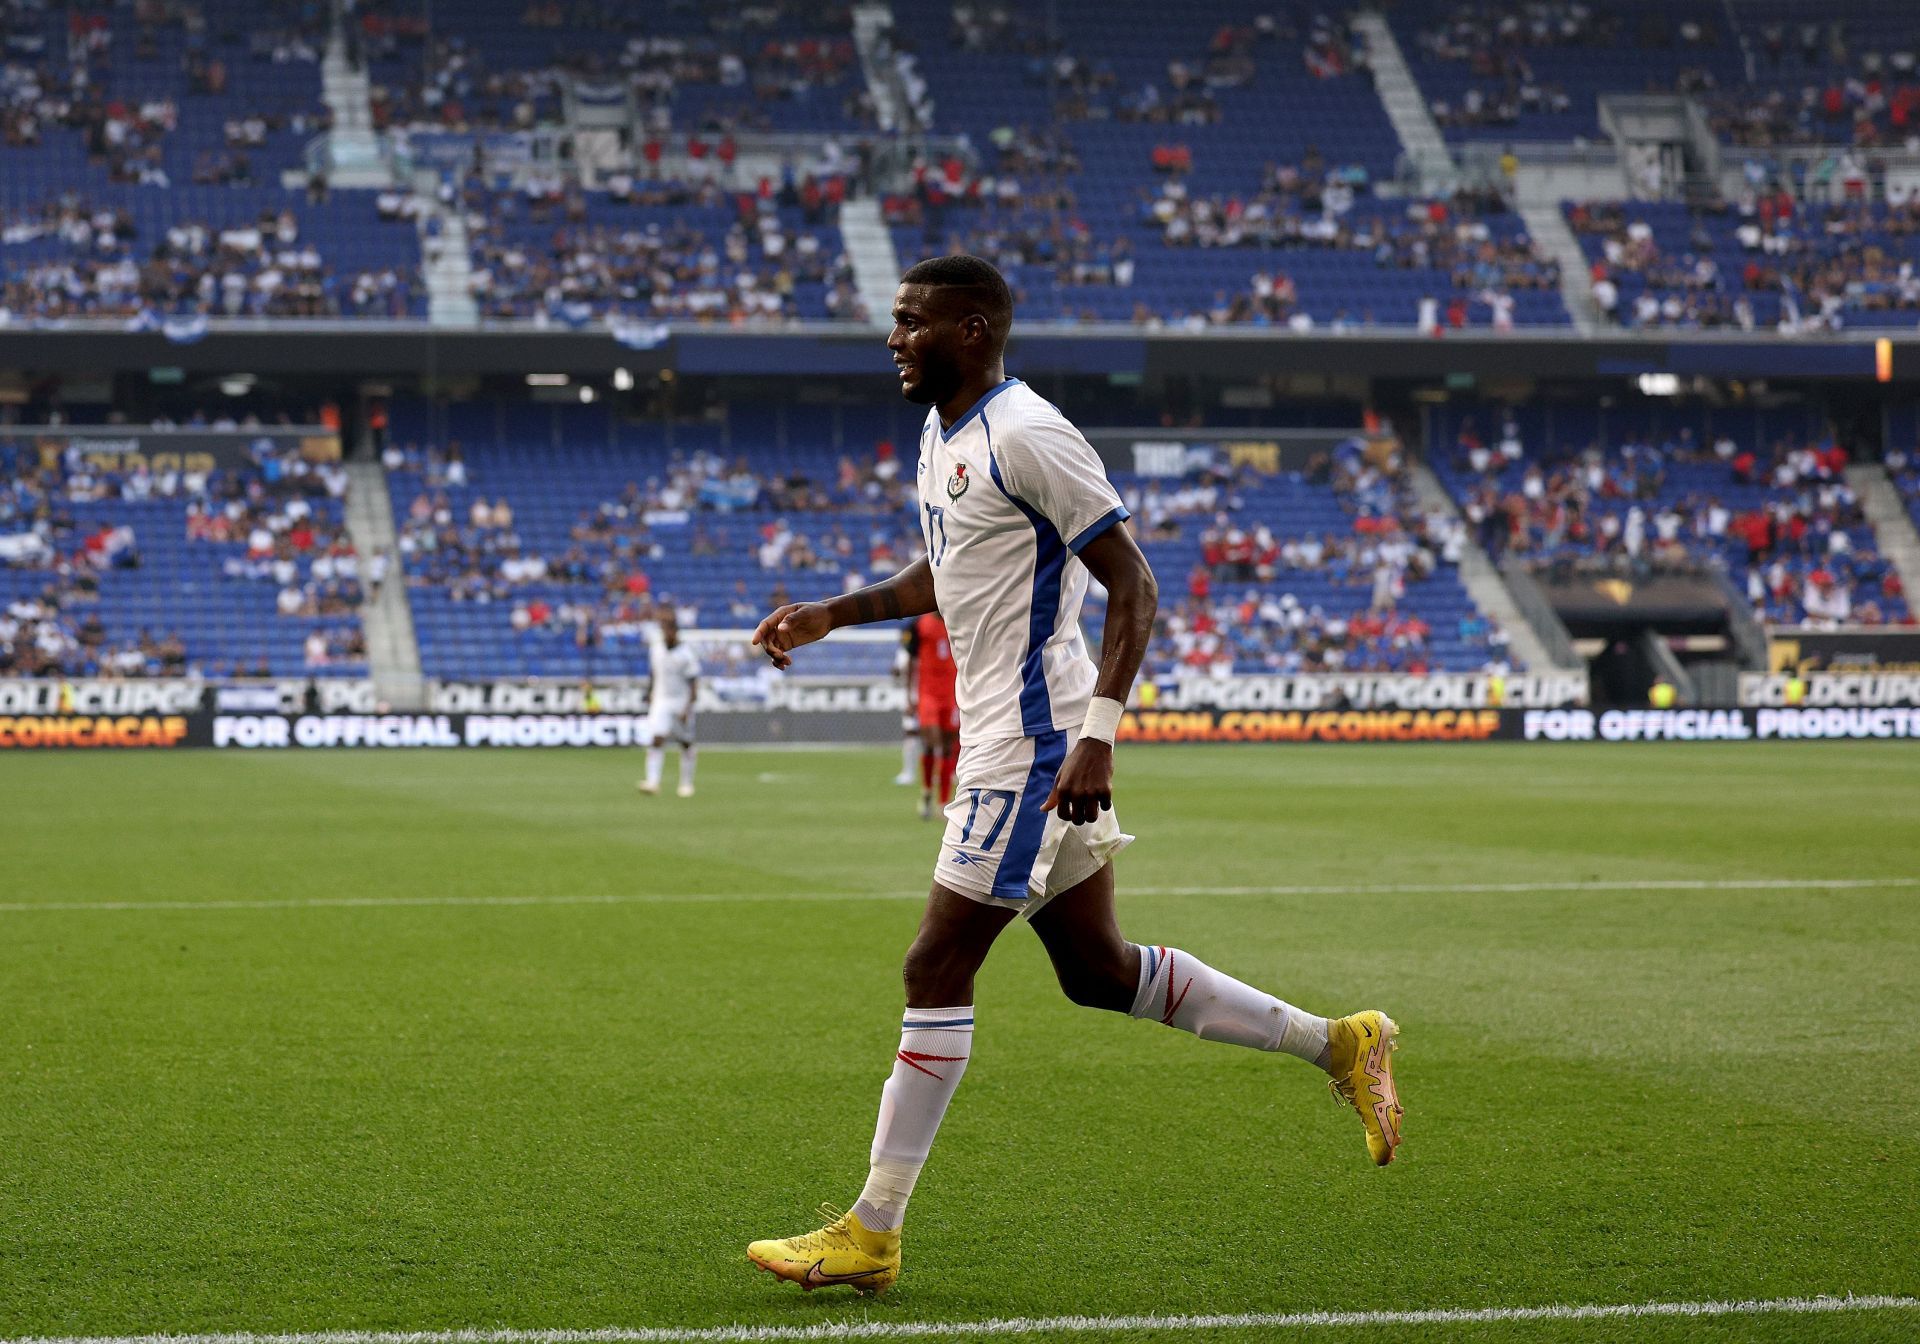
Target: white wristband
1103,719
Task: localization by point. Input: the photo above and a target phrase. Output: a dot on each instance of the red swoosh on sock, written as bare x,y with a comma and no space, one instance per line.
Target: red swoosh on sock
1173,1004
911,1057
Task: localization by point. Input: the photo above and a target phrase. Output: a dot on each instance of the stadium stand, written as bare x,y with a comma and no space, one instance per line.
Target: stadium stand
1535,69
1322,253
527,558
1846,73
1116,219
143,152
1235,85
699,66
107,250
1118,180
529,552
1760,494
161,94
1767,261
234,572
1769,73
1326,570
661,250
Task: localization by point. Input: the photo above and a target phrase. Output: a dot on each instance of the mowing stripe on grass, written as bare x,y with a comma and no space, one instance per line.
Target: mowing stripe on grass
1027,1325
698,897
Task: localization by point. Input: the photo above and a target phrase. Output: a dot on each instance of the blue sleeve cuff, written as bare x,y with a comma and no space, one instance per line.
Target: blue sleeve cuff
1117,514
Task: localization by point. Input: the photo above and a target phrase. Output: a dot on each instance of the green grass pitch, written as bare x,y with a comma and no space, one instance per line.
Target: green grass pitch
374,1112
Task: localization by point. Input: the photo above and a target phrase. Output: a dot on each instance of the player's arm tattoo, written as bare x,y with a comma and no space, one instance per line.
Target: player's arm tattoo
908,593
1133,596
878,603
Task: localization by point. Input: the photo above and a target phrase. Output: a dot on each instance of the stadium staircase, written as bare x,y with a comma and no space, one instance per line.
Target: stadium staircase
1484,584
873,39
1548,228
1669,129
353,154
1893,528
393,654
1405,105
447,264
869,244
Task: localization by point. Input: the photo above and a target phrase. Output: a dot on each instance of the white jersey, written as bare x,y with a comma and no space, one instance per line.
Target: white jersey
674,670
1008,497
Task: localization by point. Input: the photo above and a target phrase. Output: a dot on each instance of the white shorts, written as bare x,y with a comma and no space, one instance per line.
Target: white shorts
1000,848
666,724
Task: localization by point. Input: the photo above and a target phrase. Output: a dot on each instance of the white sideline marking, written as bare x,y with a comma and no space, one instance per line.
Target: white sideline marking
700,897
1475,888
1027,1325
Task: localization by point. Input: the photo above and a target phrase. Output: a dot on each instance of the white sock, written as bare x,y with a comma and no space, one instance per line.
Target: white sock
656,759
934,1045
1182,991
909,754
686,766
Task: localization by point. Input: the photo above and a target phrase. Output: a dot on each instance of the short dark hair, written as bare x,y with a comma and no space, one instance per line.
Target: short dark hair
979,283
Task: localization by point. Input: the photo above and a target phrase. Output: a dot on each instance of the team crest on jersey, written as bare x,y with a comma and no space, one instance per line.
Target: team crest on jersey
958,482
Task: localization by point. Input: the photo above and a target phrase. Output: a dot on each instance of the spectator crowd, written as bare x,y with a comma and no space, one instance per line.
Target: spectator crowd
1823,264
103,267
1493,41
1615,508
750,63
552,252
63,80
597,586
1238,612
276,521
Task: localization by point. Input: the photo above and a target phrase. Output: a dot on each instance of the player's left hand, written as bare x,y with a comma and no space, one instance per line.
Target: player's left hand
788,627
1084,787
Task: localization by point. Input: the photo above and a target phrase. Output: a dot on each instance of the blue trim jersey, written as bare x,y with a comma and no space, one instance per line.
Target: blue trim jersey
1008,498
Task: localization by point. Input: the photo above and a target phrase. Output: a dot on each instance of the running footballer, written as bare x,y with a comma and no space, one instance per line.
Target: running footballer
1016,512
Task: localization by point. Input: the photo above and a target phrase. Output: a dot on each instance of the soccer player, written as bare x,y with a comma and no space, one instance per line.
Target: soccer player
932,673
676,681
912,749
1016,511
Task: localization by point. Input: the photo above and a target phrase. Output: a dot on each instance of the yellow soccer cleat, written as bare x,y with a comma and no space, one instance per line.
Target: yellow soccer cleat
842,1252
1360,1049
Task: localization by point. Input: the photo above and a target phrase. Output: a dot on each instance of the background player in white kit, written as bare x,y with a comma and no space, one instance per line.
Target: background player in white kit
1016,510
913,749
670,704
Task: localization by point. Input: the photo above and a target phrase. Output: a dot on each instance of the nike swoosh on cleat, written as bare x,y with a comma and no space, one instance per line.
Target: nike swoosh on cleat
813,1278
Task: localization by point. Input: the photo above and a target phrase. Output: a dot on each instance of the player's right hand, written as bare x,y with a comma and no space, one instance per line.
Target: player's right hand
788,627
